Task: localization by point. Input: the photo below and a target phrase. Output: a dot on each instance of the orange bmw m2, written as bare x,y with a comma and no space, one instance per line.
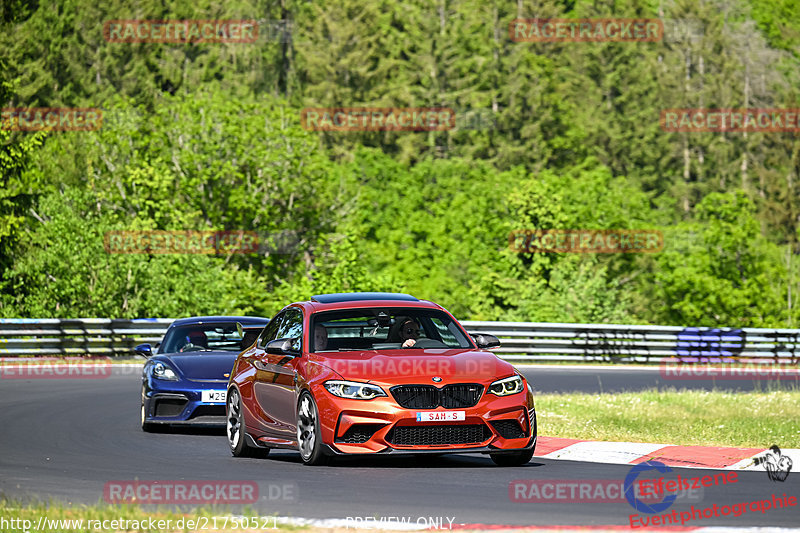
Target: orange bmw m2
376,373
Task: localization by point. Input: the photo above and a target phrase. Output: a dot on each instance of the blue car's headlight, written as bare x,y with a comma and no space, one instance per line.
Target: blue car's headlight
506,387
162,371
354,390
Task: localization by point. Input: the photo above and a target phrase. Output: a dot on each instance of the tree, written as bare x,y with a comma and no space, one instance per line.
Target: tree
729,276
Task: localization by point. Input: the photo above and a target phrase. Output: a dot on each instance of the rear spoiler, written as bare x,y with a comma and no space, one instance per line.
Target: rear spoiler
249,334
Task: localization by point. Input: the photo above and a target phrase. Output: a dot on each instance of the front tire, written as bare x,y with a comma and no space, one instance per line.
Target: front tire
235,428
309,438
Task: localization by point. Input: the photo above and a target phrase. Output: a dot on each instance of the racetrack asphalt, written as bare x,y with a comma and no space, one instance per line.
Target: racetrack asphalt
66,438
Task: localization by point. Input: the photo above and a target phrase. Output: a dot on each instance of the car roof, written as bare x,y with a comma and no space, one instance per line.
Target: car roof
350,300
340,297
219,319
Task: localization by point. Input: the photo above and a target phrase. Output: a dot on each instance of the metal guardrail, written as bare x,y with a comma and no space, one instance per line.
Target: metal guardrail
629,343
521,341
77,336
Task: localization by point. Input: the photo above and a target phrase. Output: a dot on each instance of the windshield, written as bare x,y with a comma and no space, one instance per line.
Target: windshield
203,337
383,329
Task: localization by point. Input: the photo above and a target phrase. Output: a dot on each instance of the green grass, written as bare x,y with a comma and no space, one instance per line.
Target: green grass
738,419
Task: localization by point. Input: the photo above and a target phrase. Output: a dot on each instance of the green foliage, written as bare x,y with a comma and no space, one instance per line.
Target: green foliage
728,275
780,20
208,137
200,163
65,271
17,190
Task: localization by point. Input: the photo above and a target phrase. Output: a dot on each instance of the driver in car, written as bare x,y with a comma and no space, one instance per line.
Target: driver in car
408,332
194,341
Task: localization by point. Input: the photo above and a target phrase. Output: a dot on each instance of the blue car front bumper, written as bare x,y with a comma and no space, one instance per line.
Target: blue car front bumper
181,403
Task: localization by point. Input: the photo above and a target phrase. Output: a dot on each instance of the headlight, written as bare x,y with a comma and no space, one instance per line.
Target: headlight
507,386
162,371
354,390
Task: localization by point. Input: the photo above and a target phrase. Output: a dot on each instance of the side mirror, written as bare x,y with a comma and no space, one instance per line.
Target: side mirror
484,340
144,350
283,346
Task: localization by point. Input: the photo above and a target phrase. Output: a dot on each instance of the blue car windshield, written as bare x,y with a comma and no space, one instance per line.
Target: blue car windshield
202,337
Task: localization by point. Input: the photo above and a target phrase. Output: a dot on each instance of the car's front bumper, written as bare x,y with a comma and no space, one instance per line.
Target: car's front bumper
494,424
180,406
531,445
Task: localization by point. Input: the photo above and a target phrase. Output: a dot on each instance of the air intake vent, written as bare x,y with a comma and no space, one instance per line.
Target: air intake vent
509,429
359,433
439,435
169,406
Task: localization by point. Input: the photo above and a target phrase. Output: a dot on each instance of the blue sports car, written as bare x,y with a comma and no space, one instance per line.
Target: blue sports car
185,381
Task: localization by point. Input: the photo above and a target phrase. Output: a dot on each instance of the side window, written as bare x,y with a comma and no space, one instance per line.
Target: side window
445,332
292,326
269,332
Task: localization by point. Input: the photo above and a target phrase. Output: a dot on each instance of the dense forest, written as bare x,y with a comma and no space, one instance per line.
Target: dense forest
548,135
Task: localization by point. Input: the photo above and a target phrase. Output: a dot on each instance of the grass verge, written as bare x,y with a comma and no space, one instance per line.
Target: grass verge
685,417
